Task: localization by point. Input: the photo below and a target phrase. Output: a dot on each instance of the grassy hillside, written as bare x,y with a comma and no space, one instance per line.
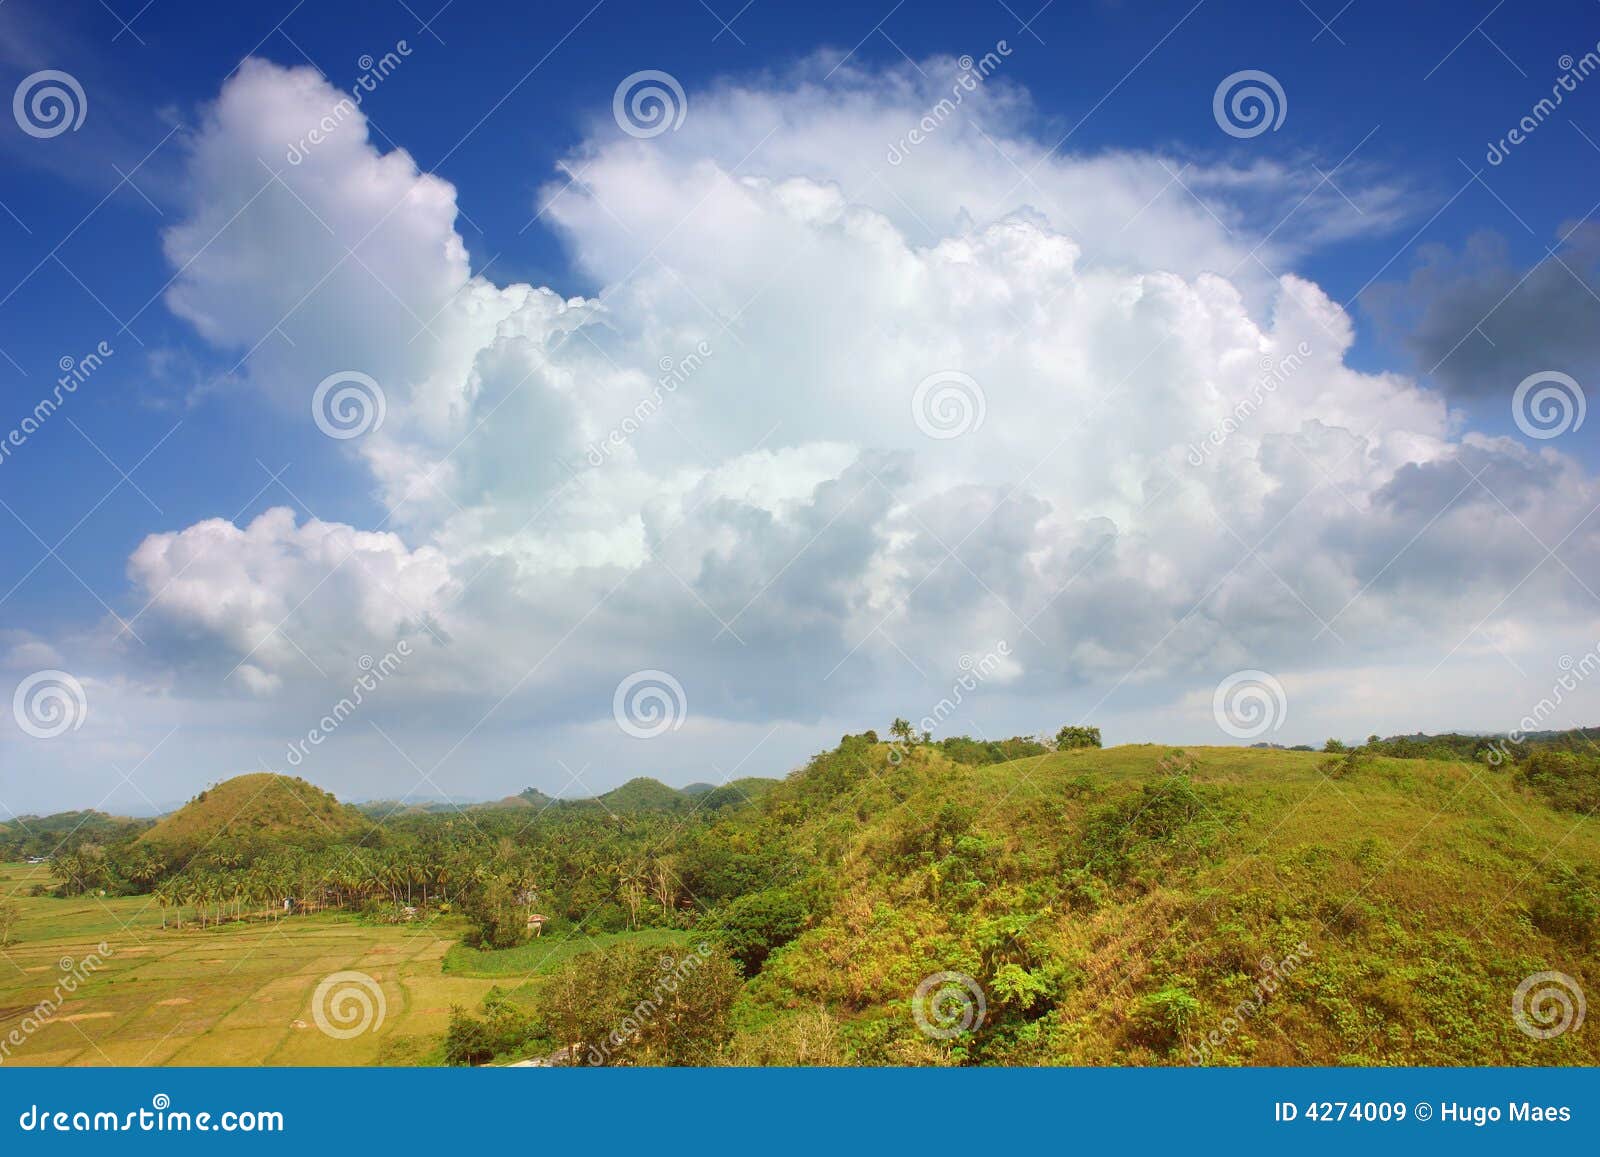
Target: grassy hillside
259,807
1117,907
1139,905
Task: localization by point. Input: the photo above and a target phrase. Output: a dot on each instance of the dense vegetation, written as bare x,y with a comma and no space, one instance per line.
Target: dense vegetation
1116,907
28,836
1107,906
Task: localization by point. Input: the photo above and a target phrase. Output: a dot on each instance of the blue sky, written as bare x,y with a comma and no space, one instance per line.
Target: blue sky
1375,188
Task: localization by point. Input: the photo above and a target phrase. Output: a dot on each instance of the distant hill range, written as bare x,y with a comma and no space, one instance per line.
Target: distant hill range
27,836
641,794
286,809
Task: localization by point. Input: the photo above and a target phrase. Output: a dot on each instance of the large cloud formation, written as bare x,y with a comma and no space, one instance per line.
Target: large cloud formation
722,464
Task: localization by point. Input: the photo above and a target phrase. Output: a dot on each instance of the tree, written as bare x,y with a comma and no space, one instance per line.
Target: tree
901,730
754,926
500,921
664,882
1070,737
628,1005
631,881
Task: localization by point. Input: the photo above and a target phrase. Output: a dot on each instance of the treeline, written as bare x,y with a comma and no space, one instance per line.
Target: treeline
603,872
28,836
1561,766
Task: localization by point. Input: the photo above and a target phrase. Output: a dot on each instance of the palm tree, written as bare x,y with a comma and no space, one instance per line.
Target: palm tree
163,897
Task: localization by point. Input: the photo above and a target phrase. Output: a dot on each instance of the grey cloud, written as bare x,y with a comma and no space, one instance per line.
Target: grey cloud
1478,322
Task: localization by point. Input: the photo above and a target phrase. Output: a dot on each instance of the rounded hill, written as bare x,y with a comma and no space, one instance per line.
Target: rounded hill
261,806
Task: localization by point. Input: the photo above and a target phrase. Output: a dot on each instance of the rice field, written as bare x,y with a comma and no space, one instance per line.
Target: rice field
241,994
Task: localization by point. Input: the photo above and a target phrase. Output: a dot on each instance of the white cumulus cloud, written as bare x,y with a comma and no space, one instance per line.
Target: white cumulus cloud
713,466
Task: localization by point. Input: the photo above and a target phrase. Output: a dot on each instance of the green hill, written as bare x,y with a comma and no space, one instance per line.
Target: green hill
1121,906
643,794
259,808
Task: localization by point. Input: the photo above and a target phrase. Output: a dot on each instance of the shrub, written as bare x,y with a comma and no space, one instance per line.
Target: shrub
807,1038
1343,766
1570,782
1566,907
1161,1018
754,926
627,1005
1078,786
504,1029
1170,820
1071,737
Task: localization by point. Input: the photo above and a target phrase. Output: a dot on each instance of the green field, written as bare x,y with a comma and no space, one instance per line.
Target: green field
236,995
544,955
